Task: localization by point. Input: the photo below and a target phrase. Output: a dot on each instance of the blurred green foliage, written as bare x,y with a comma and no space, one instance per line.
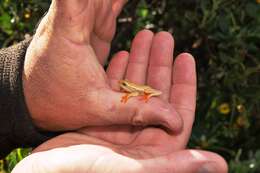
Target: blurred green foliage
224,36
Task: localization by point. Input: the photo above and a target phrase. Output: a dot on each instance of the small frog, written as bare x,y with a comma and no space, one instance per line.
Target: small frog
133,90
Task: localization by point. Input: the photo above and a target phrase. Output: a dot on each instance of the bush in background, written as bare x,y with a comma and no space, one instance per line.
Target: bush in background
224,36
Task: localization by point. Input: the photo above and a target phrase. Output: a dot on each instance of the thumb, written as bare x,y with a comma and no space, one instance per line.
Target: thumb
187,161
117,6
139,113
68,7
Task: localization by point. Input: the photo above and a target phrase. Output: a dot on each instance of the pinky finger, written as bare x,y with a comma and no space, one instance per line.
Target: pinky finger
117,68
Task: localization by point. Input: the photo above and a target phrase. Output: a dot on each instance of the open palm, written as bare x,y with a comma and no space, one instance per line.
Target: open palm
136,149
65,85
151,62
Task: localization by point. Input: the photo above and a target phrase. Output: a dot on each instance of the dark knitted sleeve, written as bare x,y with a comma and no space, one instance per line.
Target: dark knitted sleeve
16,127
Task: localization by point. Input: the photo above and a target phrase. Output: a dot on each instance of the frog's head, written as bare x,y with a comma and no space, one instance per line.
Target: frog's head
124,84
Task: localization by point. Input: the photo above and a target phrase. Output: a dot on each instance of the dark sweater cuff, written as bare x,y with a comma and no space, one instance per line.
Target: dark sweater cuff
16,126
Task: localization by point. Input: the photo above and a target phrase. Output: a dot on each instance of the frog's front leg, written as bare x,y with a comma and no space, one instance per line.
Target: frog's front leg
125,98
148,94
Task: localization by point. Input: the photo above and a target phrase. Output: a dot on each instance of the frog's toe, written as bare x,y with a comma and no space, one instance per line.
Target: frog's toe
124,99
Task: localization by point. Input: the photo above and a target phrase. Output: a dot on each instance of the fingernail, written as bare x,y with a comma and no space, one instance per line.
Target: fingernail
207,168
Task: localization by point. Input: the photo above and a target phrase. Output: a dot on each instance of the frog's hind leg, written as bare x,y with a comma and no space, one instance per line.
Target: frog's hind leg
145,97
126,97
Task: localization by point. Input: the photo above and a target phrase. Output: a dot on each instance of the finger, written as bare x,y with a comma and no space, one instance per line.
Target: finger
135,112
67,7
183,92
117,6
102,44
104,31
117,68
139,57
101,48
187,161
160,65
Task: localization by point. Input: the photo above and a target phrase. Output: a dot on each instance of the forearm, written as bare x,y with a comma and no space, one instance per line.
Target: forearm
16,127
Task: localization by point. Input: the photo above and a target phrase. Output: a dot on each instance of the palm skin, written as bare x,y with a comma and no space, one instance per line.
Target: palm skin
128,148
150,60
65,85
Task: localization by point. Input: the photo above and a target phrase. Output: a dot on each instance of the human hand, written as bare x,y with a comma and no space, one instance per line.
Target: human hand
65,85
125,148
151,60
99,158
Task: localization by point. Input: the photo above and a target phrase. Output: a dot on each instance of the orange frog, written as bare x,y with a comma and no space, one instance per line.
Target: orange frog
133,90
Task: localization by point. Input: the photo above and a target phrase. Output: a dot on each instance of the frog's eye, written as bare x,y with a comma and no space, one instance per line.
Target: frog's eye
124,84
121,82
